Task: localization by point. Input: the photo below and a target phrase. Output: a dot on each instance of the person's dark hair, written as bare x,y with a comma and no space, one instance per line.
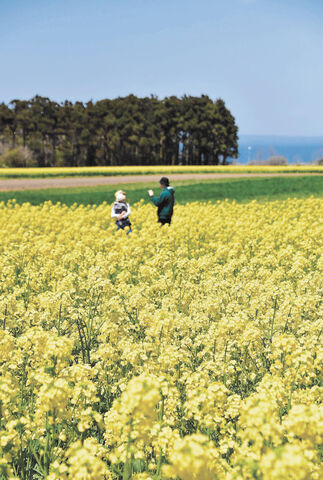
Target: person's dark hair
164,181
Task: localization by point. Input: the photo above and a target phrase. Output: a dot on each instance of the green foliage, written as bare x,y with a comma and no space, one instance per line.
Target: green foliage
240,190
17,157
123,131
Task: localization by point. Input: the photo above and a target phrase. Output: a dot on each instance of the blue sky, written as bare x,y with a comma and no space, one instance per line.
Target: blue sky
263,57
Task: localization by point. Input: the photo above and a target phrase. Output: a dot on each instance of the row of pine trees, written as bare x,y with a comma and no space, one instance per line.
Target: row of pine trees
123,131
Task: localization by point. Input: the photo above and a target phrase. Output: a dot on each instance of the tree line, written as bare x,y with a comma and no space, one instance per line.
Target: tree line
123,131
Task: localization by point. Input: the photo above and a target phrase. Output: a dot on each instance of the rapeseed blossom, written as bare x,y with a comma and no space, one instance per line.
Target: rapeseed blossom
154,169
190,352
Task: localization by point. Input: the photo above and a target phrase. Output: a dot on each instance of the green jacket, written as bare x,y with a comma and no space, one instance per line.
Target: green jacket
165,203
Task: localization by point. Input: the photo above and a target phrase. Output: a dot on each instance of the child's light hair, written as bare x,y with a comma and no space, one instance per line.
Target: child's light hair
120,196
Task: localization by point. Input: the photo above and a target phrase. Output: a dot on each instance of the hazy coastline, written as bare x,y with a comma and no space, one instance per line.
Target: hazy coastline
297,149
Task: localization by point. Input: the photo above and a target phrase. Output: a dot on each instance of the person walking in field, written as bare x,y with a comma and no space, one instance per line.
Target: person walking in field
121,211
165,201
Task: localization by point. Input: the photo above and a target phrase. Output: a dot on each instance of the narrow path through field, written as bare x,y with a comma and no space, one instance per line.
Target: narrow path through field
39,183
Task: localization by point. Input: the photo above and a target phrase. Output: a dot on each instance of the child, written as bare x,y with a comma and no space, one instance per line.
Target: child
121,211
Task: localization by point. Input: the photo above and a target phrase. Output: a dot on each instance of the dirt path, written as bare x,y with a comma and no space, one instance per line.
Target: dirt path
39,183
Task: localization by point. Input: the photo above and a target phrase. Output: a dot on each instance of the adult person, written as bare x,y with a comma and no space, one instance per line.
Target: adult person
165,201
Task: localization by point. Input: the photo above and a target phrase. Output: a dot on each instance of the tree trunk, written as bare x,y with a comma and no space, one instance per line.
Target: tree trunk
13,138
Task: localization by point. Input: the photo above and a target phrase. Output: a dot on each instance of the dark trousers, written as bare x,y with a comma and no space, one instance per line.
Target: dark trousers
123,223
163,221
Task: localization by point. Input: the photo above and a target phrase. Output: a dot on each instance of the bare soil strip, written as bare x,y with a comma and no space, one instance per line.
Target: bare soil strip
41,183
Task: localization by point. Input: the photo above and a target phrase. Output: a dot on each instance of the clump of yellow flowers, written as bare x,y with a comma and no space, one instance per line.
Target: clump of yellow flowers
189,352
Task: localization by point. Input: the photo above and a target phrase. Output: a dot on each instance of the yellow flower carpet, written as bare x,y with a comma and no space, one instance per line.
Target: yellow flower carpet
189,352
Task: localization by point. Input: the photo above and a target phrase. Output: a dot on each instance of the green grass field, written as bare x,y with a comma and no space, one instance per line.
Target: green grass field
241,190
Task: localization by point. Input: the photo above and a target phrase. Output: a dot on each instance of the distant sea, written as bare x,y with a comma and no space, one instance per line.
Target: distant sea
297,150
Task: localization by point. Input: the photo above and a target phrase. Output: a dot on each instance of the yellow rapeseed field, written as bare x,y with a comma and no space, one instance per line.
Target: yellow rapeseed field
189,352
155,169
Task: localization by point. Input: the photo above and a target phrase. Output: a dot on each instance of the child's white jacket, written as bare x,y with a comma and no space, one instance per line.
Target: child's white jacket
118,208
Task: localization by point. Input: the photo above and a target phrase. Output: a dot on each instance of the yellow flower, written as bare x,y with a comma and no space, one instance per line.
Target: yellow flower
189,352
194,457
